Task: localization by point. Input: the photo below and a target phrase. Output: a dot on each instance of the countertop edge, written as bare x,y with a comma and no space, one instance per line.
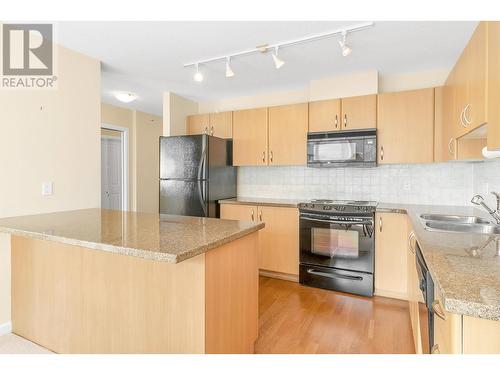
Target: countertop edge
135,252
249,202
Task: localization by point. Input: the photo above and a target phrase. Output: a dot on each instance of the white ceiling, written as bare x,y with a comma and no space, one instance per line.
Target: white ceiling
147,58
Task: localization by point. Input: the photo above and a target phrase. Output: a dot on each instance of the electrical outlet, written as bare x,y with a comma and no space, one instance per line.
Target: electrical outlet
47,188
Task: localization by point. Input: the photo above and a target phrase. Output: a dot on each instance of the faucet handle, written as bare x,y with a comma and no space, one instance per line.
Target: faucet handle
477,199
497,195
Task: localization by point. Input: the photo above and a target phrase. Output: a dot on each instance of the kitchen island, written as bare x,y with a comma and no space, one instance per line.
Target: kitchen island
102,281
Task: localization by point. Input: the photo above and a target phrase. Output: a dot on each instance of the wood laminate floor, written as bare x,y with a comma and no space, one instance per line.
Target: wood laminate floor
297,319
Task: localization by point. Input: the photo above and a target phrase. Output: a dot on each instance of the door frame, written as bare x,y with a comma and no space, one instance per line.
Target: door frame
124,137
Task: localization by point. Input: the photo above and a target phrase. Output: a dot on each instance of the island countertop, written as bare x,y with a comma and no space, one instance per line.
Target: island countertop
168,238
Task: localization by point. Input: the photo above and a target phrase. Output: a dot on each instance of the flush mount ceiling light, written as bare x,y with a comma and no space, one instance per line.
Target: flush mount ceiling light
229,71
198,77
278,63
125,97
346,50
273,48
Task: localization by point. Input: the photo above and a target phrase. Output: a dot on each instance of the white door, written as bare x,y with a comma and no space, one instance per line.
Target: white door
111,173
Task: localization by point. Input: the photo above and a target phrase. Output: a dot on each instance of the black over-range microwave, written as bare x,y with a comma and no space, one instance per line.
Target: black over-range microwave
355,148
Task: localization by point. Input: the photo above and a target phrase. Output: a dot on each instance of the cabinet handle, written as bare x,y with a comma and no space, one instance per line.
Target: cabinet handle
449,146
410,237
466,110
271,157
381,152
263,156
336,121
436,308
252,215
380,224
206,129
260,215
435,349
345,120
462,120
211,130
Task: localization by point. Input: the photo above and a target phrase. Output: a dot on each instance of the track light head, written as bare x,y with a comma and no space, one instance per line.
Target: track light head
278,63
229,71
198,77
346,50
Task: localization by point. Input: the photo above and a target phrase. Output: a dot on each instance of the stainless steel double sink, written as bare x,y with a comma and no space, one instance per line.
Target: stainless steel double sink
460,224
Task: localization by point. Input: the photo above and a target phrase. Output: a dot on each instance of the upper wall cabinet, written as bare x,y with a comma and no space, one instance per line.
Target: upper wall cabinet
493,85
467,85
216,124
359,112
198,124
250,137
221,124
405,131
288,134
324,116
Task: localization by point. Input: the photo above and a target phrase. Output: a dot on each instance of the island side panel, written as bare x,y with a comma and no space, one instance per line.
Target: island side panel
232,296
72,299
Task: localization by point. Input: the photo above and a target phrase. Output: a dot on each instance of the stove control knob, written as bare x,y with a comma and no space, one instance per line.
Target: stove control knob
327,207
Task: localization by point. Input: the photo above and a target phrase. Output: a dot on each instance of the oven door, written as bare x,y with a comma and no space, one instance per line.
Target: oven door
326,241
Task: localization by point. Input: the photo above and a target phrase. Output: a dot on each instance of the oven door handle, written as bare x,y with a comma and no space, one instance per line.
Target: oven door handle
332,275
337,222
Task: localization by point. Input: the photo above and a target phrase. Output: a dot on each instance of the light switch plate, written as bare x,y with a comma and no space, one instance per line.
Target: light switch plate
47,188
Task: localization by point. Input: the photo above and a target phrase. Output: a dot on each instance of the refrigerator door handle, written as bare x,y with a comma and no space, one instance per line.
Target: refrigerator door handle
201,166
201,195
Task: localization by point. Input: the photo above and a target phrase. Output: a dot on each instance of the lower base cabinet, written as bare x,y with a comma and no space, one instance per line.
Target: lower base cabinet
279,240
391,255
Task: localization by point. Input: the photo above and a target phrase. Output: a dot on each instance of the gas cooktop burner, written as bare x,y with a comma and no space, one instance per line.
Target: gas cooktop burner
351,206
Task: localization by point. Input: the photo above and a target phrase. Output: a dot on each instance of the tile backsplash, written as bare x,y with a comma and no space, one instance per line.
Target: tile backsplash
441,183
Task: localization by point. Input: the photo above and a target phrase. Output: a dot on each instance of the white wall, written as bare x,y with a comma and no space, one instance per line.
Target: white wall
413,80
49,135
175,110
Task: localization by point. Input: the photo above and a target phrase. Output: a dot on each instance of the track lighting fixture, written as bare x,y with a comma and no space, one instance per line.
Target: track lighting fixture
229,71
346,50
273,48
198,77
278,63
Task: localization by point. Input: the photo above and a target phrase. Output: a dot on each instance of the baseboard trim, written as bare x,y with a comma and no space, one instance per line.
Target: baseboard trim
280,275
5,328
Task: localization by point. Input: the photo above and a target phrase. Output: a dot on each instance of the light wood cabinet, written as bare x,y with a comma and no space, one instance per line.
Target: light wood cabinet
391,255
445,142
279,240
250,137
447,329
493,86
288,127
405,127
198,124
359,112
221,124
324,115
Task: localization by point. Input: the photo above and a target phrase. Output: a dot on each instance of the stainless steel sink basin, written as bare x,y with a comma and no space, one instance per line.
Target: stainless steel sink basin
443,226
455,219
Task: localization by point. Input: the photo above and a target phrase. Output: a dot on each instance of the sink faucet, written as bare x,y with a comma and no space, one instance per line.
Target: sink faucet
479,201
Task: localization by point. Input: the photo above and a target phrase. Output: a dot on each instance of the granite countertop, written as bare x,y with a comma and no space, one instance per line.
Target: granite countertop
263,201
168,238
467,275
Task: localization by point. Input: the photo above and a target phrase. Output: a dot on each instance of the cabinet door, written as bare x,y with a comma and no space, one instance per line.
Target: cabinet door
476,71
324,115
238,212
447,329
250,137
405,132
279,240
413,293
221,124
493,85
445,143
288,126
359,112
391,255
198,124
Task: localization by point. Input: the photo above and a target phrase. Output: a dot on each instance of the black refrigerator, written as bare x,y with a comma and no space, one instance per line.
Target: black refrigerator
195,172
